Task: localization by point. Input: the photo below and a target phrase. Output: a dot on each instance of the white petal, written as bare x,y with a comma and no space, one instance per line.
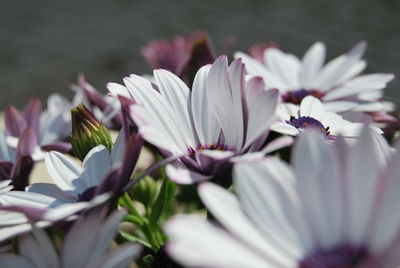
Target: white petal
162,115
361,183
206,124
51,190
360,84
224,94
182,175
320,187
176,93
386,217
153,133
333,72
62,170
105,235
312,62
228,211
195,242
261,110
311,106
285,128
117,89
256,68
96,165
283,65
84,230
266,191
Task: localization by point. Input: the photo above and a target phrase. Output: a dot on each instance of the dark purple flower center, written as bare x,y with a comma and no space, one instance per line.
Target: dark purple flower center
297,96
207,147
307,122
340,257
87,195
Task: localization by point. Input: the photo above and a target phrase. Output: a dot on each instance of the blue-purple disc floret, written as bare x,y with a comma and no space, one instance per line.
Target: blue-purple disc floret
297,96
307,122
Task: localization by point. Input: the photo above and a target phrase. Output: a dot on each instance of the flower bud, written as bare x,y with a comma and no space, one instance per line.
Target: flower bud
87,132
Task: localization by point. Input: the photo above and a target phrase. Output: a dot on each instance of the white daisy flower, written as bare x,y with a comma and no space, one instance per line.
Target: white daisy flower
338,84
222,119
294,119
85,245
336,206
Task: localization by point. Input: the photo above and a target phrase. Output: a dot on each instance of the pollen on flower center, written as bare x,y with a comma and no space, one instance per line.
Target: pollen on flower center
308,122
340,257
212,146
297,96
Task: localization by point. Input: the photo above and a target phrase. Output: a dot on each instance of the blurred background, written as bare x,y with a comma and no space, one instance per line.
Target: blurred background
44,45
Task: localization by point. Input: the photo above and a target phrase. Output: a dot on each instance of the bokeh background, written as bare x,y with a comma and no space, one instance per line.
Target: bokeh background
45,44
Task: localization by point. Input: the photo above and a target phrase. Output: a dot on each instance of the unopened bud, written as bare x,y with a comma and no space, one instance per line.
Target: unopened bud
87,132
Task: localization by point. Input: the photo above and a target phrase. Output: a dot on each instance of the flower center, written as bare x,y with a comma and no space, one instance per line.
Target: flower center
297,96
212,146
87,195
341,257
308,122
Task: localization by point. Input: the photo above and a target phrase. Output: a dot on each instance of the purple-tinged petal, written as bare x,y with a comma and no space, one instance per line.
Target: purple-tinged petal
5,170
61,147
180,174
21,171
119,257
14,121
33,213
27,143
32,115
51,190
11,260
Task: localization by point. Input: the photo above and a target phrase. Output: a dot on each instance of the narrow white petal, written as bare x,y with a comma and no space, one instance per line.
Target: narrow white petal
361,183
62,170
224,91
207,127
319,187
176,93
117,89
312,62
195,242
266,191
96,165
182,175
311,106
261,111
333,72
162,114
386,216
360,84
228,211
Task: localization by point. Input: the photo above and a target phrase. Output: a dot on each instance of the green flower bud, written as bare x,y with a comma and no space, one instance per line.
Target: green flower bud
87,132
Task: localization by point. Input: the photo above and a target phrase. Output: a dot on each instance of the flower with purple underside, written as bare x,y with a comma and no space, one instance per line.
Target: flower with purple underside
182,55
85,245
106,108
221,120
311,113
102,176
49,128
325,210
338,84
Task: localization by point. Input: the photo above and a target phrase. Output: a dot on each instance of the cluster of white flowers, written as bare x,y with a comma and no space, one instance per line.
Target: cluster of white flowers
269,161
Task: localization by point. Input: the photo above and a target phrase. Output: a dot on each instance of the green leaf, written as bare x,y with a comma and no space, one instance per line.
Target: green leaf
134,238
164,197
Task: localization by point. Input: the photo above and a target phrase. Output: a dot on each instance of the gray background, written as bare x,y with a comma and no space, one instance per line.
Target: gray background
45,44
